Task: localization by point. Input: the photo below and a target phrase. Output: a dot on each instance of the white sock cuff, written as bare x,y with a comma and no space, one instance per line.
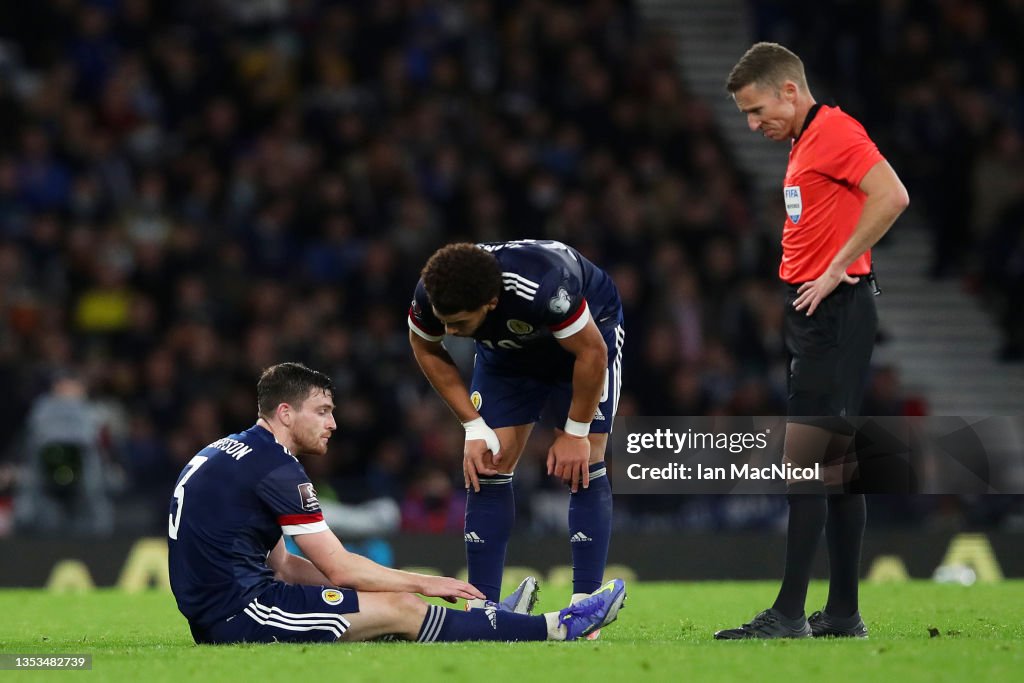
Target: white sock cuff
576,597
555,630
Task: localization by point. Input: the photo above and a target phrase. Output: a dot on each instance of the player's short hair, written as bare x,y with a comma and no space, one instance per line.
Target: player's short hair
288,383
766,65
461,277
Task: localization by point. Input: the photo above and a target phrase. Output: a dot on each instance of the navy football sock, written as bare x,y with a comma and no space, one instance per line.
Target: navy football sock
489,518
590,529
446,625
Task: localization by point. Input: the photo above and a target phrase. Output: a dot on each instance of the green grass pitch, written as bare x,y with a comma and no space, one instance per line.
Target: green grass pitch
664,634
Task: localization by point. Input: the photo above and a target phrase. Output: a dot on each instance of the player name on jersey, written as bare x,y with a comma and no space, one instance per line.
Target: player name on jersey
236,449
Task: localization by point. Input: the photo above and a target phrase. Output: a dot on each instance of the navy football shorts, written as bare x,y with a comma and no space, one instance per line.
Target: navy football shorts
507,399
830,356
286,613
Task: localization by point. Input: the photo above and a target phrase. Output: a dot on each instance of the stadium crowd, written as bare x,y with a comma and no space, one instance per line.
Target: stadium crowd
192,191
940,86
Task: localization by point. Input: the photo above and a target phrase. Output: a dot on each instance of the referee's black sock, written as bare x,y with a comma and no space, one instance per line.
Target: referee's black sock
807,513
844,530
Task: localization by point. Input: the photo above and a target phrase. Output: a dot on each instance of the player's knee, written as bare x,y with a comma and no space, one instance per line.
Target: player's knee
510,454
409,612
398,614
400,611
598,446
402,604
505,468
506,463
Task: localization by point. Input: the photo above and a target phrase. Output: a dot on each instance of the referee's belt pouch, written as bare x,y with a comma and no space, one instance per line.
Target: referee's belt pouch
873,281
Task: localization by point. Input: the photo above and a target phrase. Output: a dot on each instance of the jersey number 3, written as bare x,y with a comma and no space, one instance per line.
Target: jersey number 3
173,521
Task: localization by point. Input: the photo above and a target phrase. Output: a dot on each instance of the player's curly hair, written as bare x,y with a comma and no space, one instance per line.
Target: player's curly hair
768,65
461,277
288,383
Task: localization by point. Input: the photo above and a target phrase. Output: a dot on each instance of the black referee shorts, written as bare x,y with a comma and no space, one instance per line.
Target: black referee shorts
830,354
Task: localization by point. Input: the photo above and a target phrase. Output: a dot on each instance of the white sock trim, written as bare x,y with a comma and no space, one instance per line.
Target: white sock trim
555,630
576,597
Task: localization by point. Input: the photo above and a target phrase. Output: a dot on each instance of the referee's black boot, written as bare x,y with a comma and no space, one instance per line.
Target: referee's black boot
824,625
770,623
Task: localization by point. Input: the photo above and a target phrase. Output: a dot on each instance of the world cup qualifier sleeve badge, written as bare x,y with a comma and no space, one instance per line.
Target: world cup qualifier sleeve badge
560,302
794,202
307,497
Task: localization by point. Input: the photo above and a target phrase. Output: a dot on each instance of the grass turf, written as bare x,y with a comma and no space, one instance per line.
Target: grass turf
919,632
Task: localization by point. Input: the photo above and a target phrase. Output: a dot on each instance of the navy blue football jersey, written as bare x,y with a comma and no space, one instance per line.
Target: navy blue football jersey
549,292
231,504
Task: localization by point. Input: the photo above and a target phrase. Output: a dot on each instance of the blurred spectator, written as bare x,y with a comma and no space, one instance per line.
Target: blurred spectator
64,486
949,113
886,397
175,176
432,505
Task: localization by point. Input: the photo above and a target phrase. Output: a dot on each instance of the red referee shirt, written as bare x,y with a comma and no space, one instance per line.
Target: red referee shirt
823,200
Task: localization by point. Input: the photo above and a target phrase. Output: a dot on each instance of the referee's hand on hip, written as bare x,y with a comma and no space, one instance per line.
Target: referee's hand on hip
810,294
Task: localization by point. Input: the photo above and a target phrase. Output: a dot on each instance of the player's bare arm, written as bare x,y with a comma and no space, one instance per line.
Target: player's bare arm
440,370
343,568
569,455
442,373
887,198
291,568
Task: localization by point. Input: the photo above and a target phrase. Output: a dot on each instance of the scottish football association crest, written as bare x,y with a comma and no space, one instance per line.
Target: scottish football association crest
519,327
794,202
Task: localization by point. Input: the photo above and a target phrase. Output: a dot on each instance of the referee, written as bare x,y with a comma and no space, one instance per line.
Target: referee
841,196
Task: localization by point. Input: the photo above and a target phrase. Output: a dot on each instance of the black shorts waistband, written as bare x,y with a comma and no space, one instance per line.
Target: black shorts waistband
793,287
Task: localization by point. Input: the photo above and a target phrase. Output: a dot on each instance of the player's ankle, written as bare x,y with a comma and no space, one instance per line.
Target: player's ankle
555,630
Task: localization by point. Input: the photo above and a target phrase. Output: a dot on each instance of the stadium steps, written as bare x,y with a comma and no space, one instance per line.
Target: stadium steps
712,35
942,342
